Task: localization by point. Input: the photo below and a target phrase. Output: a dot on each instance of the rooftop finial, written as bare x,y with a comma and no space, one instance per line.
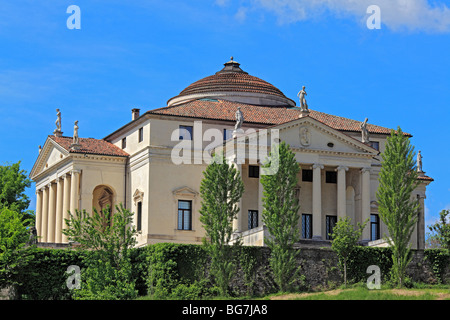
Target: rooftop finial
231,58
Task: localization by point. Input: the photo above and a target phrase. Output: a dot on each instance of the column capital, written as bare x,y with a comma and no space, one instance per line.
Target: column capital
366,169
342,168
317,165
74,171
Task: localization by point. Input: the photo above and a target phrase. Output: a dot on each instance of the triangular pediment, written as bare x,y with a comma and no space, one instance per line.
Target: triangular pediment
185,191
49,156
311,135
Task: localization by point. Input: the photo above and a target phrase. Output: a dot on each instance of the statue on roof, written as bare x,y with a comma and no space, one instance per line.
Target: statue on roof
58,131
302,97
75,143
419,162
239,119
364,131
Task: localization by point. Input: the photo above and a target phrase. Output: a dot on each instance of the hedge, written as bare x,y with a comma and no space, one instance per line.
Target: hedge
181,271
44,278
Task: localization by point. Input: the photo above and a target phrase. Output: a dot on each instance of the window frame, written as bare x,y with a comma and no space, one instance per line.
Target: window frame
375,224
183,211
139,216
141,134
124,142
253,219
253,171
189,129
305,222
307,175
331,177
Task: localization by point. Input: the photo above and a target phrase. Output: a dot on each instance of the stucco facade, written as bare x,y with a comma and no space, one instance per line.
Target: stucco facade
135,166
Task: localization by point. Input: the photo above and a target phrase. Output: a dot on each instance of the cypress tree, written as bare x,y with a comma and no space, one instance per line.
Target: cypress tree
396,206
280,214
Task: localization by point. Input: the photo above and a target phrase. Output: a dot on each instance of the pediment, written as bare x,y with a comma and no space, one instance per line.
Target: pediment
309,135
184,192
49,156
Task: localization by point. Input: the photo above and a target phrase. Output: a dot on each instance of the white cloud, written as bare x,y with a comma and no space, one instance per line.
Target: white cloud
398,15
241,14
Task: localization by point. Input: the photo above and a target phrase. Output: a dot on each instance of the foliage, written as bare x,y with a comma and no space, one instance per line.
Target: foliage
439,260
280,214
442,229
397,209
13,183
45,277
13,239
109,236
180,271
220,189
363,257
177,271
345,239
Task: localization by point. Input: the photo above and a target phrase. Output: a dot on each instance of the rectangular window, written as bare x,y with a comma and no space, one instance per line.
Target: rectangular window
139,216
186,132
124,143
252,219
374,227
227,134
330,223
307,175
184,215
141,134
306,226
253,171
375,145
331,177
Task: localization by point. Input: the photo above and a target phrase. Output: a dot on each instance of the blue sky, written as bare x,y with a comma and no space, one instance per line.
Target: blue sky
141,53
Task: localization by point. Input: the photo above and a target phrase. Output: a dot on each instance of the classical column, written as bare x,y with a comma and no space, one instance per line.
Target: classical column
39,212
74,190
44,220
59,208
260,200
237,223
317,201
66,206
341,192
421,223
365,201
51,213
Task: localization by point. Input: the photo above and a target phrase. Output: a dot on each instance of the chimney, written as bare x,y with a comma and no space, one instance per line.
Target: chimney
135,113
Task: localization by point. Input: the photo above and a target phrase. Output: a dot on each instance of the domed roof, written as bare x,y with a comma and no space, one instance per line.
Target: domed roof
233,84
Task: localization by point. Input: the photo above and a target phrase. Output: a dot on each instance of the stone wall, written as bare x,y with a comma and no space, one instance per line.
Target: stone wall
319,270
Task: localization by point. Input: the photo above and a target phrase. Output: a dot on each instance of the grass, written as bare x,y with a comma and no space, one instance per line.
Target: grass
362,293
356,292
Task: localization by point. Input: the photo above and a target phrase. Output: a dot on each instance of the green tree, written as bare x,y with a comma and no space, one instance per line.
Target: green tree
13,182
13,251
442,229
220,189
397,208
345,239
109,237
280,214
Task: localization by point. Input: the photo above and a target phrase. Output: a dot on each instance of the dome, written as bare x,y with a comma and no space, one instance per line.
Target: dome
233,84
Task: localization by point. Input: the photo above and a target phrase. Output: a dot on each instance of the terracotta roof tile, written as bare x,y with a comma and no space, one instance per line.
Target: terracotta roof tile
225,110
425,178
90,146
